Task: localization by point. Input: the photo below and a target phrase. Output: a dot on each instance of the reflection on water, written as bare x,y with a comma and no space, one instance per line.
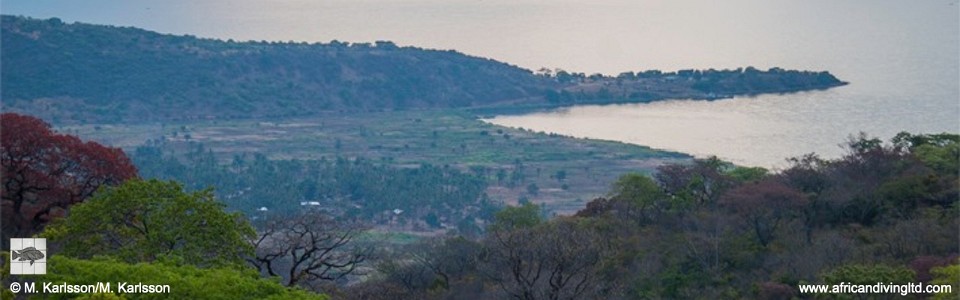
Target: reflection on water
759,131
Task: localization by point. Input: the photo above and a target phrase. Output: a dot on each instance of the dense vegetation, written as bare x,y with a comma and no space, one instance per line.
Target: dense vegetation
883,212
684,84
106,225
81,73
153,233
565,171
144,220
105,73
424,196
186,281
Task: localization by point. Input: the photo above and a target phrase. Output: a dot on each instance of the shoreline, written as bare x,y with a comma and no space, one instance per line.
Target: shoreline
489,112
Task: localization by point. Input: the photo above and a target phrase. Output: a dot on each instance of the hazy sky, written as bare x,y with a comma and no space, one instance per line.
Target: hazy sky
589,36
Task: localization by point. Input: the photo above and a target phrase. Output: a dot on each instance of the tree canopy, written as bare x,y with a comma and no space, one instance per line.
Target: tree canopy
881,213
44,172
186,281
356,187
143,220
513,217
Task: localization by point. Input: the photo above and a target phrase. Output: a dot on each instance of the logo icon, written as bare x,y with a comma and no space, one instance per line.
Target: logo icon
28,253
28,256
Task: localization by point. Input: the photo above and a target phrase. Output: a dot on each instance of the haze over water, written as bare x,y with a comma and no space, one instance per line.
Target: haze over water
901,57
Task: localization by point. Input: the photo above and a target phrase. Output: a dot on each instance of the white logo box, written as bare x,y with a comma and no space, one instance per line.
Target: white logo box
22,265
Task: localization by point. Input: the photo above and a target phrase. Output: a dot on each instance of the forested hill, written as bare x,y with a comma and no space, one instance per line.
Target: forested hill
108,73
68,73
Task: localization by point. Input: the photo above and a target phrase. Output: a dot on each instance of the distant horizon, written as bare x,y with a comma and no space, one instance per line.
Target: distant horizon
373,44
606,37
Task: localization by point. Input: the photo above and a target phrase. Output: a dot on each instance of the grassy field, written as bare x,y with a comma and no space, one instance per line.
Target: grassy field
456,138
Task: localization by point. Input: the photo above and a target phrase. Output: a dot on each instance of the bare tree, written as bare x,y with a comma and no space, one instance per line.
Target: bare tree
442,268
406,274
308,247
557,260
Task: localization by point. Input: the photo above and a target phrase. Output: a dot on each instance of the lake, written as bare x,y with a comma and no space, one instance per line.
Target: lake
901,57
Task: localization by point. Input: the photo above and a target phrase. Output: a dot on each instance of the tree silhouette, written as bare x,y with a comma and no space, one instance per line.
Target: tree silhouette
45,172
308,247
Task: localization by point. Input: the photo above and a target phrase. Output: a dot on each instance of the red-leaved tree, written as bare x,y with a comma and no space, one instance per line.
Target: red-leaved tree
44,172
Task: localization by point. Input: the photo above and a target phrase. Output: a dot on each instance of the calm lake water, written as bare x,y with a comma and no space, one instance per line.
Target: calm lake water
901,57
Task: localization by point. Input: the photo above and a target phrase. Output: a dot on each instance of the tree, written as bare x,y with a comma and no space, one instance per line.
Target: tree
432,220
640,193
693,188
44,173
141,221
435,264
940,152
185,281
513,217
533,189
555,260
866,275
947,275
450,259
501,176
308,247
808,175
5,294
859,176
763,206
747,174
561,175
698,184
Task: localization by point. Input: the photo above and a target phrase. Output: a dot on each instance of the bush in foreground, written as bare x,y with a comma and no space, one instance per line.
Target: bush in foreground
186,281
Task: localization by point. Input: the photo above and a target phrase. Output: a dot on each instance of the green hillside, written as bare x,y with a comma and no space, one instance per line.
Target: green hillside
104,73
